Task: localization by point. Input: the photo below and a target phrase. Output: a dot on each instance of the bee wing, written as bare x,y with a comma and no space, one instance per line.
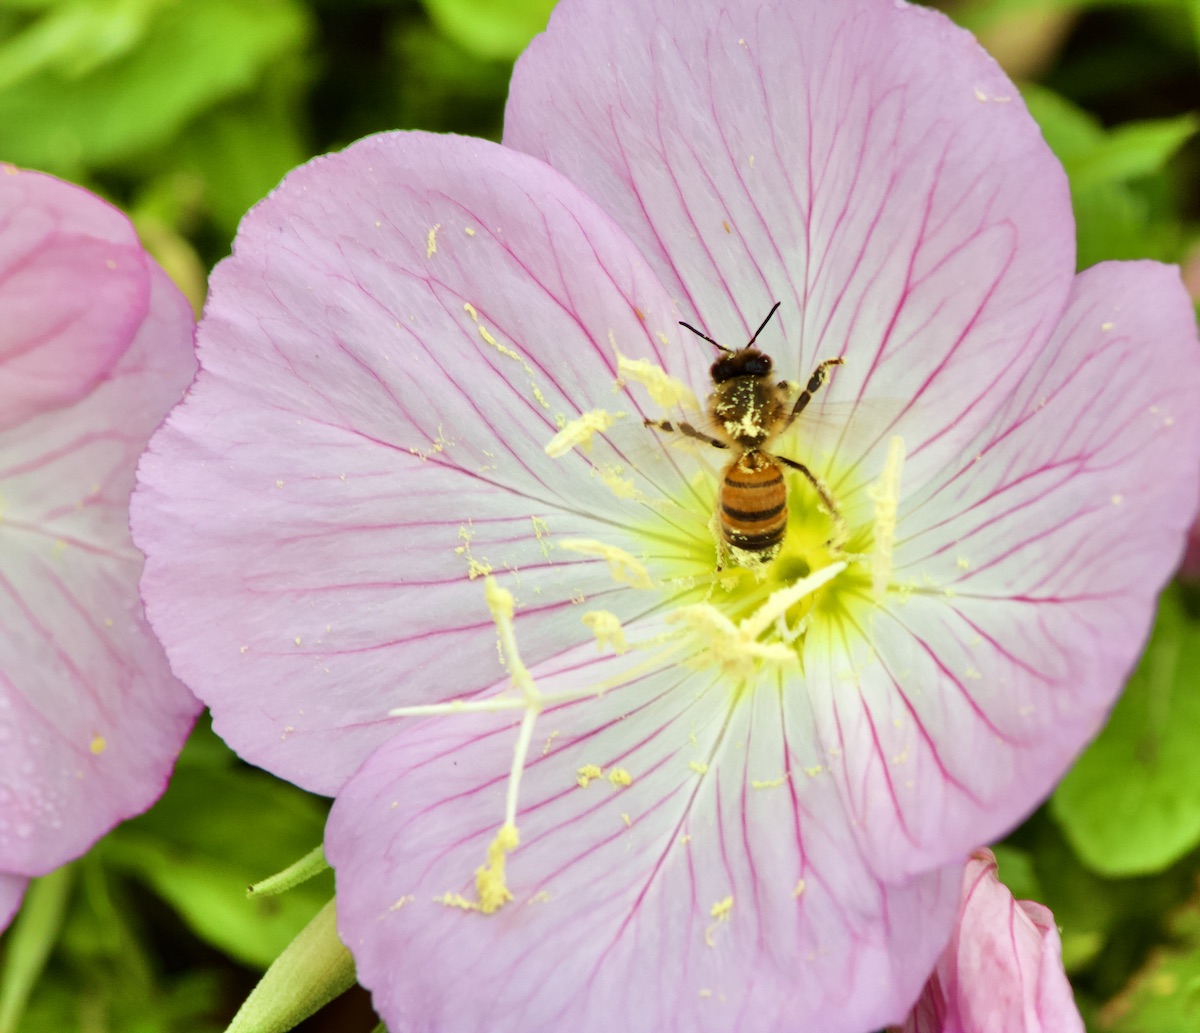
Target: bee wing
828,431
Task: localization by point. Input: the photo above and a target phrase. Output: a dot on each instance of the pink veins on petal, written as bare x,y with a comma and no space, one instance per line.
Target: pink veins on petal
97,348
647,788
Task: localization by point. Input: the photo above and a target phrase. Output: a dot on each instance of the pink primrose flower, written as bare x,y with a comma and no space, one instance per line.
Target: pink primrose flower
1002,971
410,539
95,347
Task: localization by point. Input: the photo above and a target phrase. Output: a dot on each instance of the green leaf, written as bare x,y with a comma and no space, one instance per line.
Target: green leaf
33,935
217,830
1131,804
488,29
94,82
1164,996
1118,178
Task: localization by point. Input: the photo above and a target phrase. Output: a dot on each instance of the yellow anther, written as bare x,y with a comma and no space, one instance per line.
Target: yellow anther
664,390
578,432
607,628
624,568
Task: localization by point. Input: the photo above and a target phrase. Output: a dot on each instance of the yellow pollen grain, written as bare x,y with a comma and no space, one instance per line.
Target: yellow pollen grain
541,398
662,337
706,993
508,353
606,626
623,567
620,777
664,390
469,309
611,474
469,231
963,563
720,910
1106,327
578,432
725,224
798,889
886,495
698,766
1118,499
685,840
588,774
98,745
814,771
456,900
773,783
431,241
627,819
549,740
972,674
297,640
490,886
406,899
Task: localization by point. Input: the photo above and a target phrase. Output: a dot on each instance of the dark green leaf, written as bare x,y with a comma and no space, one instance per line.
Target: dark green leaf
1131,804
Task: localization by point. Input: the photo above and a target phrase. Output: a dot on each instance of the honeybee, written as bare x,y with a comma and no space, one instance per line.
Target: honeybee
747,409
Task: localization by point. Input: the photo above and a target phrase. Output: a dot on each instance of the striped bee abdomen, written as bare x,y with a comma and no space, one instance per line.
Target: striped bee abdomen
753,502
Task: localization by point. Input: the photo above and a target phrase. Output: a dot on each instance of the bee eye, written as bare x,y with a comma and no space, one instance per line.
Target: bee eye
723,369
757,366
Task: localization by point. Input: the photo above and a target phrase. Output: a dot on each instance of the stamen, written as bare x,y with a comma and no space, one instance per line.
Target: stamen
623,566
886,495
734,648
578,432
606,626
664,390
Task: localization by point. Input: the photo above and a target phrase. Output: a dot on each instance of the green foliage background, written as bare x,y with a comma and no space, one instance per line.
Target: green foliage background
187,112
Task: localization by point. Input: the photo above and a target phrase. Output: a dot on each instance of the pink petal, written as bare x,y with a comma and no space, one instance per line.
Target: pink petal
612,924
355,450
90,717
865,162
1002,971
12,891
73,289
1030,574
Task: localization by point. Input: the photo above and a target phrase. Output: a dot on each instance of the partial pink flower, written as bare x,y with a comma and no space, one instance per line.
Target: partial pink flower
410,539
1002,971
96,347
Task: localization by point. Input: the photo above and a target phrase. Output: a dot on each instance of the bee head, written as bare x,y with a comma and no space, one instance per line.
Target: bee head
746,362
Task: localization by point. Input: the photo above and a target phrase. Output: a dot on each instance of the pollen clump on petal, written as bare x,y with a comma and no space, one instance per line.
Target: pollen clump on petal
664,390
620,777
490,884
578,432
588,774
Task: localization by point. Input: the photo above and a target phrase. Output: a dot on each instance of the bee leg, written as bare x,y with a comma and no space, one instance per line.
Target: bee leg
841,531
819,376
686,429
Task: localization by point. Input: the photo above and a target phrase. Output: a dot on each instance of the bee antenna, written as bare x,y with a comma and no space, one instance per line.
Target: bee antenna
706,337
763,325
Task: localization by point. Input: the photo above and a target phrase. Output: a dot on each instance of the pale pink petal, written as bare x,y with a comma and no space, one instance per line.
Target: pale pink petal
1024,582
612,924
90,717
12,891
865,162
73,289
400,331
1002,971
